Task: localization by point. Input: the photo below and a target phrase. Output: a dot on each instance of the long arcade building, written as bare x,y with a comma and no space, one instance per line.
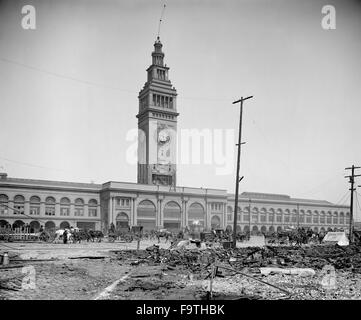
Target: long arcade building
155,201
60,204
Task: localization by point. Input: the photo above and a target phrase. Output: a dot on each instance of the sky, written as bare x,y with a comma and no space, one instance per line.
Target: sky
69,88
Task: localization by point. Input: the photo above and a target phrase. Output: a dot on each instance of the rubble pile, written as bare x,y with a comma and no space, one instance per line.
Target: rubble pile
195,260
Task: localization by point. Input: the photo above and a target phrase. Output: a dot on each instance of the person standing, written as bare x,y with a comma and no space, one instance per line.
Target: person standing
65,236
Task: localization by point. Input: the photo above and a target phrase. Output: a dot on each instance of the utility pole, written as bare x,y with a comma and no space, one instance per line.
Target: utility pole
352,189
238,164
250,217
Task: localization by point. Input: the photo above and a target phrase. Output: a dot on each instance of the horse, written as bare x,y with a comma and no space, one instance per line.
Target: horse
59,235
163,233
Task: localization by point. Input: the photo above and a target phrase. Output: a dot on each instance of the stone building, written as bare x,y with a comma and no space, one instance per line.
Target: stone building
155,201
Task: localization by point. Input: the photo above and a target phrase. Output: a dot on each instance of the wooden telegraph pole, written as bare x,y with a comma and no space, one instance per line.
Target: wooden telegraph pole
352,181
238,164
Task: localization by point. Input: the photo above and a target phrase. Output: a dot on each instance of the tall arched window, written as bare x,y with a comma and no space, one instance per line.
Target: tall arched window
294,216
315,216
172,215
329,218
196,212
287,216
229,213
246,214
263,216
322,217
146,215
19,204
302,216
4,199
34,205
64,206
50,206
342,218
215,222
79,207
279,216
271,215
335,217
92,208
348,218
308,217
255,215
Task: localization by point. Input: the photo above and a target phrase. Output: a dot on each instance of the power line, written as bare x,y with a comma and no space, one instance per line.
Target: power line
94,84
342,198
58,75
29,164
21,213
42,167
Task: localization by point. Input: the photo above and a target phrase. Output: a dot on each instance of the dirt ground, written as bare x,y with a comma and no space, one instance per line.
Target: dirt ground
96,271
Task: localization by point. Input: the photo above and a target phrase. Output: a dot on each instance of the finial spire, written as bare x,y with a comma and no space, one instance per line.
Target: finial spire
160,21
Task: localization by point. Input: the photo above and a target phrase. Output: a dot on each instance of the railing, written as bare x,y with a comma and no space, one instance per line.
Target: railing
18,233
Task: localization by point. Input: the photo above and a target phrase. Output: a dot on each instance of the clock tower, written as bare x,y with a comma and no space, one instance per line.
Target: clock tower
157,124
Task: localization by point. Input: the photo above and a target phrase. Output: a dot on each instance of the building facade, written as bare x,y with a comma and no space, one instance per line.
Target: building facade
55,204
155,201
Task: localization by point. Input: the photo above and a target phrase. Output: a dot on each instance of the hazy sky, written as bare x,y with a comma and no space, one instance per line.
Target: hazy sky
68,90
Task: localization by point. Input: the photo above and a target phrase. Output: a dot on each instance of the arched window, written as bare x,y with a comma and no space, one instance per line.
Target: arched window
348,218
92,208
49,226
315,216
246,214
322,217
146,215
294,216
122,221
19,203
64,206
215,222
65,225
34,205
263,216
34,226
196,213
172,216
4,223
271,215
329,218
287,216
255,215
279,216
50,206
18,224
229,213
342,218
79,207
4,202
308,217
335,217
302,216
